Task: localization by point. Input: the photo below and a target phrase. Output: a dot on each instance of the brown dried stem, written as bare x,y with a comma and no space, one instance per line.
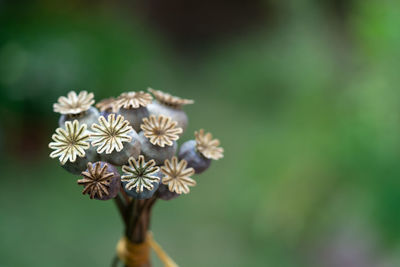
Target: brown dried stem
121,207
125,196
136,216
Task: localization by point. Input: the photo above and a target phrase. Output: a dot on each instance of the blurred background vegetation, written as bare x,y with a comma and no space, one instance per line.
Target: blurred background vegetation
302,94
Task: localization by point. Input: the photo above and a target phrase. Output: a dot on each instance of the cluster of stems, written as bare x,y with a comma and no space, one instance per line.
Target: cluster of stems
136,216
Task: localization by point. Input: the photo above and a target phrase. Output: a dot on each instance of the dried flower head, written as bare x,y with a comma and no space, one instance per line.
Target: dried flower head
96,180
177,176
140,174
70,142
73,103
207,146
170,100
134,100
107,104
161,131
110,134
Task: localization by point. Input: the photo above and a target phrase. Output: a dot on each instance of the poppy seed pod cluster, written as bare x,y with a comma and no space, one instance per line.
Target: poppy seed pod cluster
126,149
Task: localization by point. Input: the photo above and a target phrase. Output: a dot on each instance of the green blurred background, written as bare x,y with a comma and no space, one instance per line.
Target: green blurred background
302,94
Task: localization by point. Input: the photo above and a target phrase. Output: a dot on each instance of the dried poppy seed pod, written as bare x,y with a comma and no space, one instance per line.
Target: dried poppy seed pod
146,193
131,149
107,106
158,138
170,106
105,113
101,181
141,179
135,116
71,146
116,140
177,176
81,163
199,153
165,194
88,117
76,107
208,146
158,153
176,179
177,115
132,105
194,159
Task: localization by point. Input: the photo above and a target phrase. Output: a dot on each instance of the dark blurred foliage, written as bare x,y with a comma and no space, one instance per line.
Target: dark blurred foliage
195,24
302,94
